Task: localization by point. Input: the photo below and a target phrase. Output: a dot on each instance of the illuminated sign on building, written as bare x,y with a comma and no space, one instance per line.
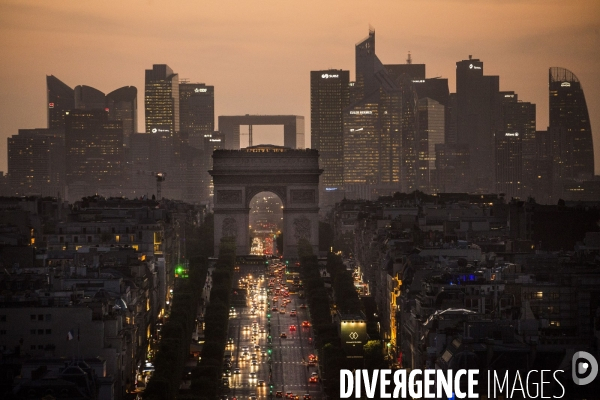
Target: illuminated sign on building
327,76
471,66
509,95
515,134
214,140
354,337
160,130
356,130
330,189
419,81
361,112
200,90
566,84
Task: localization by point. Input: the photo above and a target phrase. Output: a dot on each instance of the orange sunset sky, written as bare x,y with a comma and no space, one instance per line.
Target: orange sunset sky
258,54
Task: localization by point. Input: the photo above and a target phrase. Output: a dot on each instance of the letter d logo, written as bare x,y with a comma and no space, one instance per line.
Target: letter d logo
580,365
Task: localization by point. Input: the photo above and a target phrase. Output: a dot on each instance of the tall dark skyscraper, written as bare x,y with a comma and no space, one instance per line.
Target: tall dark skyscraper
60,99
196,112
329,95
568,111
122,106
478,118
94,149
161,100
89,98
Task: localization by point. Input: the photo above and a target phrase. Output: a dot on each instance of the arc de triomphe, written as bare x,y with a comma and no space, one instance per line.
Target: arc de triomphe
293,175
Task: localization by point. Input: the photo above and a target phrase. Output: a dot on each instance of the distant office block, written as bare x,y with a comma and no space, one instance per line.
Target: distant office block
161,100
36,162
122,106
329,95
94,149
196,112
478,118
568,110
60,99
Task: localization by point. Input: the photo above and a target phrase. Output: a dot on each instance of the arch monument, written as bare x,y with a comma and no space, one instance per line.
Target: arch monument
291,174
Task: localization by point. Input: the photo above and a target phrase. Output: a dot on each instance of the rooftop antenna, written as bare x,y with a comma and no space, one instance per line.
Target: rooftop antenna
409,59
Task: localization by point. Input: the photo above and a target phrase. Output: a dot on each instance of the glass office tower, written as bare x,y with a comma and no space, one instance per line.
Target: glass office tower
568,110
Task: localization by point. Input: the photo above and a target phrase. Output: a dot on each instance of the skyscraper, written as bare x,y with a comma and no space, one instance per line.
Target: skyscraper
36,162
89,98
162,100
196,112
373,127
329,95
478,118
568,111
94,149
431,133
122,106
60,99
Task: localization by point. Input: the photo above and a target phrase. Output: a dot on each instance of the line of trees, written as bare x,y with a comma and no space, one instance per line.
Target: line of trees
206,377
174,346
327,340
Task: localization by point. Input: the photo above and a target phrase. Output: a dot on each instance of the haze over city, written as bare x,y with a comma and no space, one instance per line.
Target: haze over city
258,55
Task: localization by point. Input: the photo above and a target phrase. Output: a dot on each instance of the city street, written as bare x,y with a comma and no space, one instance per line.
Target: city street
284,363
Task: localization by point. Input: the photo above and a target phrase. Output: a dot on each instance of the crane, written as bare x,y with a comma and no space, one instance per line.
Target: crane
159,176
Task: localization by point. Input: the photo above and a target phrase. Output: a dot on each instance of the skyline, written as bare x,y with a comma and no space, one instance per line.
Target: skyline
38,41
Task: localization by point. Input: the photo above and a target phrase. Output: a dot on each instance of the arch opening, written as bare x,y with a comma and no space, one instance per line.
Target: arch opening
265,224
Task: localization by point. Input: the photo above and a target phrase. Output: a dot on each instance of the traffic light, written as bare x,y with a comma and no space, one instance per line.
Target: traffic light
287,262
269,315
270,351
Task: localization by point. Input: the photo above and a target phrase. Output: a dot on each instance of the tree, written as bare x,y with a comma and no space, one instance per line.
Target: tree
373,355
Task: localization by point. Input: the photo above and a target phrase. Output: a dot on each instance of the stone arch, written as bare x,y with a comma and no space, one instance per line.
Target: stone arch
230,227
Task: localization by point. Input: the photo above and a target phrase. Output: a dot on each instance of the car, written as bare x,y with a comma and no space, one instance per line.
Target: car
252,375
292,328
262,330
279,393
236,371
283,335
314,378
263,353
293,313
289,395
306,396
254,362
252,396
230,341
302,305
260,383
227,373
274,308
282,311
305,324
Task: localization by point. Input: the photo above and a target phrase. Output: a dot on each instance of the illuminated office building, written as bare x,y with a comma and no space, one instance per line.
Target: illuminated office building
362,143
161,100
93,148
329,95
478,118
60,99
568,111
196,112
36,162
431,132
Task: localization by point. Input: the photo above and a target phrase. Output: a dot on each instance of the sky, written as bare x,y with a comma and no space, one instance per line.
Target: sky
258,54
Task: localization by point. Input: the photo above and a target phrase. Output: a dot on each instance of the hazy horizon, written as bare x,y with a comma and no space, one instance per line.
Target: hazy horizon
258,55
